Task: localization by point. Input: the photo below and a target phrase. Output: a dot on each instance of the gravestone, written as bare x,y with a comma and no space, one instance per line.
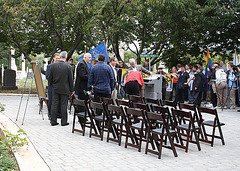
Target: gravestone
9,80
0,77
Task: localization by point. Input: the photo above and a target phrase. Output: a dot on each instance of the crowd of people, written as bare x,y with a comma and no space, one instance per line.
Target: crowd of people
188,83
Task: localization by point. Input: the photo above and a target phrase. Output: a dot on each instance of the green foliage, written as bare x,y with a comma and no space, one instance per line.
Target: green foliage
2,107
6,143
13,140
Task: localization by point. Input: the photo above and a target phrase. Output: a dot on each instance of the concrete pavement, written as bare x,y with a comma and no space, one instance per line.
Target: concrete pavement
63,150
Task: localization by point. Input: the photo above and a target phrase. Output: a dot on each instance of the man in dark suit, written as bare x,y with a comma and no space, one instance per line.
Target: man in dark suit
61,80
82,81
198,87
56,58
82,76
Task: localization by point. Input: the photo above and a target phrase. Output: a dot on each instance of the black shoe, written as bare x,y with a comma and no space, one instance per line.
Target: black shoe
54,124
65,124
59,117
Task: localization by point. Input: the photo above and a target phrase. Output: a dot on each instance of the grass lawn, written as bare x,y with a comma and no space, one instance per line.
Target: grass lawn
20,84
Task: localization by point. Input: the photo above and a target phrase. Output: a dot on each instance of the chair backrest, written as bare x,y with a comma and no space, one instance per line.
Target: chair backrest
135,114
208,111
116,111
106,100
123,103
94,106
180,115
169,103
78,102
151,101
190,107
160,109
141,106
153,117
135,99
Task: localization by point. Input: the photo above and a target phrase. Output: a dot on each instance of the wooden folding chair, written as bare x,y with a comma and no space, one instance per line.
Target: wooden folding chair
71,98
117,120
141,106
190,128
106,100
85,115
171,104
164,133
99,120
134,124
124,103
135,99
214,123
151,101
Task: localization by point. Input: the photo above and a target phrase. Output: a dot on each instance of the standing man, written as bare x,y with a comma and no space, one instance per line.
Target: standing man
61,80
82,77
222,66
101,78
139,68
232,86
112,64
56,58
120,81
164,80
198,87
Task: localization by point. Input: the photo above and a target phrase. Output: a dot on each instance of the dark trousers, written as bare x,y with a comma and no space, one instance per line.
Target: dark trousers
82,96
213,98
96,99
197,98
163,93
50,106
180,95
62,101
171,93
133,88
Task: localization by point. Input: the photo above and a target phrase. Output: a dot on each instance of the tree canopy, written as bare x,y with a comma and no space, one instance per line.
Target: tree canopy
173,28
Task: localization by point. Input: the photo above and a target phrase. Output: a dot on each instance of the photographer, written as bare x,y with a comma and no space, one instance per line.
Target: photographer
232,86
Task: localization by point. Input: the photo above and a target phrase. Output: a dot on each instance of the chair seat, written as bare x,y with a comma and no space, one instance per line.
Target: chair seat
159,131
82,114
185,126
138,125
118,121
100,117
211,123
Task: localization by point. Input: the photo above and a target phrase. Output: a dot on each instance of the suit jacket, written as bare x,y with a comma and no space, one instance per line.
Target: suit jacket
140,69
61,78
82,77
198,82
47,76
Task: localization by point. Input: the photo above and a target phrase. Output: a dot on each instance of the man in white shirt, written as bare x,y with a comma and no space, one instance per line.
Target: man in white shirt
112,63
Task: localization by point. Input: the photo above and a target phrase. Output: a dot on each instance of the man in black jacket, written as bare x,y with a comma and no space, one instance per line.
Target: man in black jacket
82,76
61,80
198,87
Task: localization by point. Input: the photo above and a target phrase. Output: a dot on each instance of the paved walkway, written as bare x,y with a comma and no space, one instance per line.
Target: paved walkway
63,150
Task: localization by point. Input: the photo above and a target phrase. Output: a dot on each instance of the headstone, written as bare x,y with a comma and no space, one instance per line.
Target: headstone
0,76
9,80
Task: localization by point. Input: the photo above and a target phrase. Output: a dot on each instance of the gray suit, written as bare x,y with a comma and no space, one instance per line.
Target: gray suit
61,80
140,69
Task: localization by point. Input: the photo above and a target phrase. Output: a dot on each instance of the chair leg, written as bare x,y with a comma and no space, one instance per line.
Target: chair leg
197,140
221,135
74,117
140,141
84,125
160,146
126,141
172,145
213,134
187,142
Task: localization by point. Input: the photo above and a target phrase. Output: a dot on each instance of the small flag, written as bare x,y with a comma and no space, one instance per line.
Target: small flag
235,59
208,63
100,49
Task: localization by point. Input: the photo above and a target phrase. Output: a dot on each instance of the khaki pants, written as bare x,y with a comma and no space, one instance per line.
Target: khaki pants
114,95
221,93
231,102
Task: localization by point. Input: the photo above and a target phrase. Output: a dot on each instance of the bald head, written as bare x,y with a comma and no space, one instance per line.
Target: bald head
87,57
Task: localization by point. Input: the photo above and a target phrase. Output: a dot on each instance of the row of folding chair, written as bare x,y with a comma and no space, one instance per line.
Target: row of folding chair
214,122
139,122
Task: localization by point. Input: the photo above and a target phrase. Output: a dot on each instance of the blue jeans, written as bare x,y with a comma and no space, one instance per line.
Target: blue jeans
121,88
190,95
